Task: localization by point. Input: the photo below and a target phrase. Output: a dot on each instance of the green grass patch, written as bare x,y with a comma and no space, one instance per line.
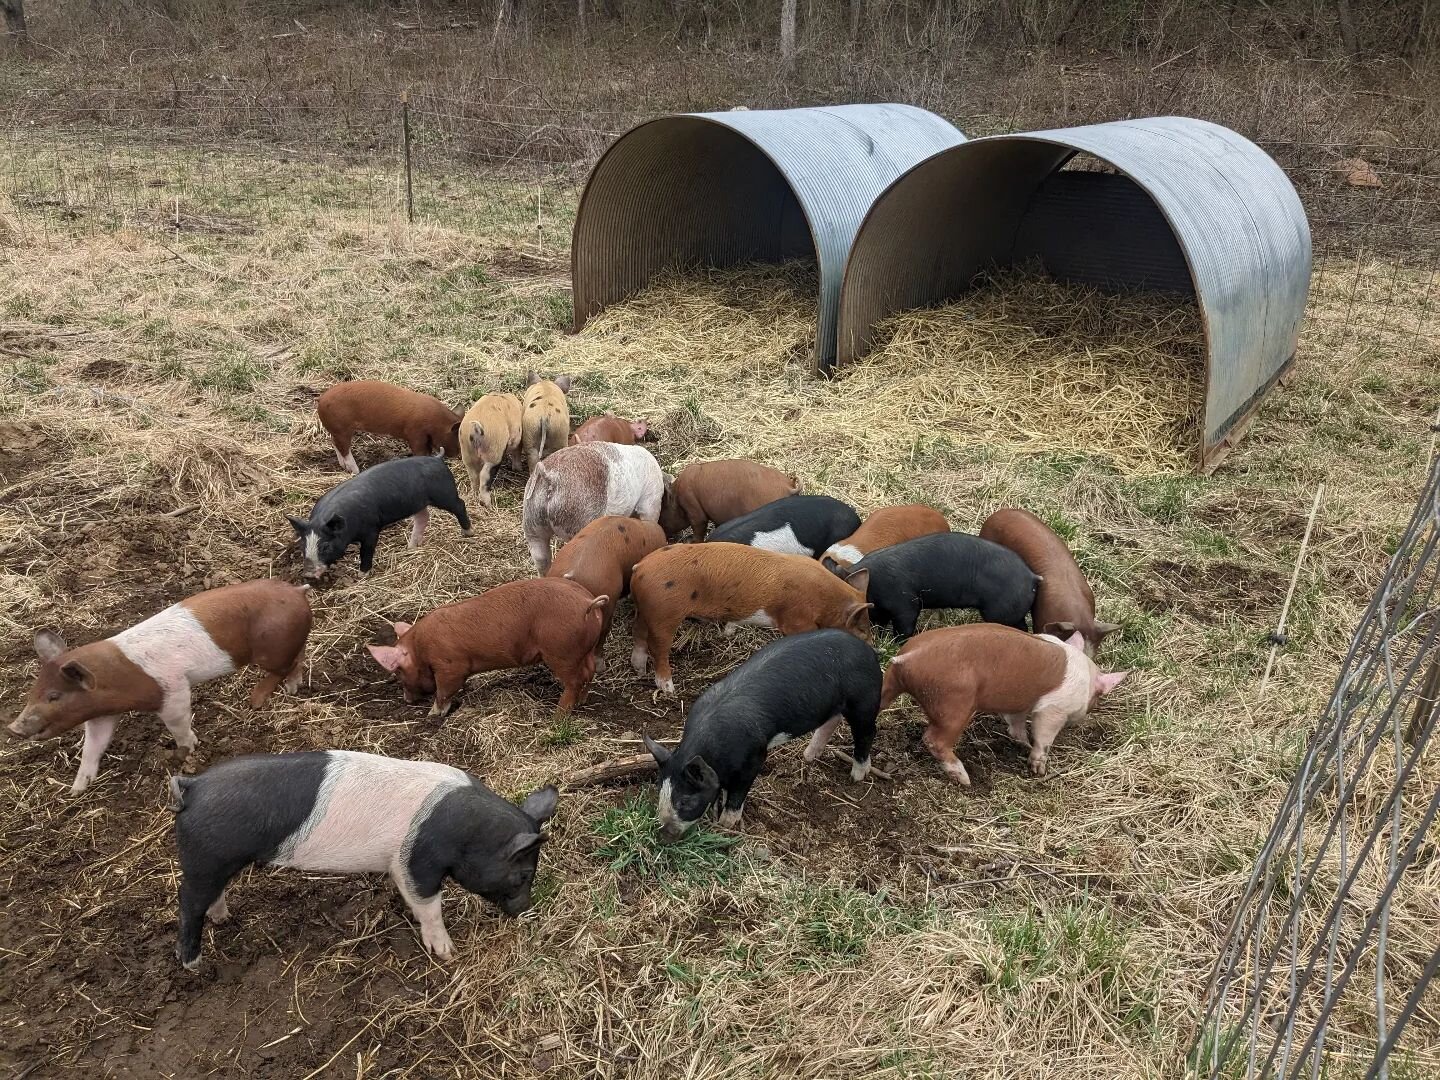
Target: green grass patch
837,923
631,844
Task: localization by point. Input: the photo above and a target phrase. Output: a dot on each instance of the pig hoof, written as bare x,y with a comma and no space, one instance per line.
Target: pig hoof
599,664
639,660
860,770
730,819
465,532
957,773
81,783
1038,766
218,912
441,945
665,686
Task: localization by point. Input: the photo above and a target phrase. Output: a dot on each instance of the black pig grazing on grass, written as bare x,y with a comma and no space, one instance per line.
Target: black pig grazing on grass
947,570
337,811
796,525
800,684
356,510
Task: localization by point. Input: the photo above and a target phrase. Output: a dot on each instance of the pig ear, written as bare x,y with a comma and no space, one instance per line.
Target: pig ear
698,771
400,629
860,609
531,378
539,806
1104,629
859,580
335,524
658,752
638,428
563,382
1109,680
521,846
49,644
387,656
300,525
1061,630
78,674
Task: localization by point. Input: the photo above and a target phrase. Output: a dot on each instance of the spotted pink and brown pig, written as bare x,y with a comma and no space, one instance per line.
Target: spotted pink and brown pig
152,666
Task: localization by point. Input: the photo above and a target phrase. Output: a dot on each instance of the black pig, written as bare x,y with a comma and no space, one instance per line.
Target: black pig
795,525
343,812
800,684
947,570
355,511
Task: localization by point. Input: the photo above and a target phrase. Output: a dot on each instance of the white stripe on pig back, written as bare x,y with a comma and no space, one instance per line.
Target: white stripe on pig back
367,813
844,553
174,648
782,540
633,480
1072,696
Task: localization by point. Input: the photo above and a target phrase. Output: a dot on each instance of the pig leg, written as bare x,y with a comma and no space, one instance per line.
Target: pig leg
892,687
367,552
861,717
175,715
343,455
941,735
264,688
574,677
202,891
427,913
736,793
219,911
98,733
448,499
1016,723
539,544
658,641
821,737
640,652
903,623
482,480
1046,724
296,673
417,527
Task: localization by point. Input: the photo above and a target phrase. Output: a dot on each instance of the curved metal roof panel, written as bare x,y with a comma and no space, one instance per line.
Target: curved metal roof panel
716,189
1231,209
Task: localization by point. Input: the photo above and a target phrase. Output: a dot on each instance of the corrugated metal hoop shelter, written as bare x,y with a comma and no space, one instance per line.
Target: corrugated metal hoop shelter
1196,208
721,189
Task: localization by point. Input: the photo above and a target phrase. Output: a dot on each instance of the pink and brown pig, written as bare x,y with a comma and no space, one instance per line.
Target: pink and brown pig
714,492
614,429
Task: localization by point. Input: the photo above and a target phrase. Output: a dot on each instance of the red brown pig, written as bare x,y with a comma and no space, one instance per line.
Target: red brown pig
884,528
547,621
152,666
601,557
1063,600
956,671
544,418
714,492
490,432
609,428
426,424
738,585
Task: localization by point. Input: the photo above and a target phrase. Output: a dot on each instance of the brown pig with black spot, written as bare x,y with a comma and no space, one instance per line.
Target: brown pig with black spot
601,557
1064,602
426,424
714,492
544,418
957,671
151,666
738,585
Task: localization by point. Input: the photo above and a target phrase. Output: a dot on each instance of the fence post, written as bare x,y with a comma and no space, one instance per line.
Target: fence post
405,138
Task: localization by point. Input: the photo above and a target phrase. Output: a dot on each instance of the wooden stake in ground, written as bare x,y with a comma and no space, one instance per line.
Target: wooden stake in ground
1278,637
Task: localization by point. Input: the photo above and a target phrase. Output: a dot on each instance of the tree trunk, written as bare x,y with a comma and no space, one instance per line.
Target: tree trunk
1416,38
611,8
15,28
580,18
1347,28
787,33
857,13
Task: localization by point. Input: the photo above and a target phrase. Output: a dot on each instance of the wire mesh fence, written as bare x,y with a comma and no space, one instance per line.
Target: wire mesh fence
1323,971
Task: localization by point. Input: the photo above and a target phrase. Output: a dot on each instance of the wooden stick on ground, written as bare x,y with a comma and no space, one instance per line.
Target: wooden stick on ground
621,769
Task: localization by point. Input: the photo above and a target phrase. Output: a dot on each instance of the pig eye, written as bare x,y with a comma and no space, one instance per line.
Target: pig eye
54,695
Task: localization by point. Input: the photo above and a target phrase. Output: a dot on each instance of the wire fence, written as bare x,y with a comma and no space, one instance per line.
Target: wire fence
1323,971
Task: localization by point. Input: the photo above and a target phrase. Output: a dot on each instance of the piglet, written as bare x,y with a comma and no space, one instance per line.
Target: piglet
601,557
947,570
355,511
578,484
341,812
548,621
1063,602
956,671
489,433
736,584
607,428
152,666
720,491
886,526
427,424
544,417
791,687
795,525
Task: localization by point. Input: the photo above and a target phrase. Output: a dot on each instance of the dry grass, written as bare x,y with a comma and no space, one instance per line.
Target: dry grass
157,423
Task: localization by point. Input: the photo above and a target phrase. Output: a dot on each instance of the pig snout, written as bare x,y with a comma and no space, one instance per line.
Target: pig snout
672,832
517,904
28,726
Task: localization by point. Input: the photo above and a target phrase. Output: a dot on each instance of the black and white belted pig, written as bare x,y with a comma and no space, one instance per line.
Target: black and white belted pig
338,811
